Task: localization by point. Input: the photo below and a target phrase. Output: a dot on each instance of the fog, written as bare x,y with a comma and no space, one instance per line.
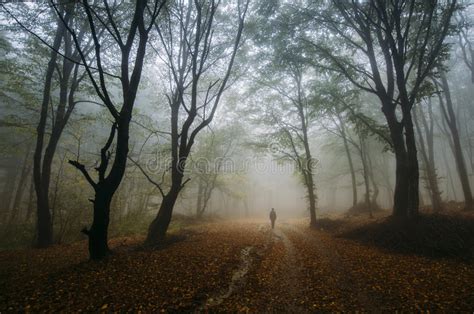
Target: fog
267,112
255,156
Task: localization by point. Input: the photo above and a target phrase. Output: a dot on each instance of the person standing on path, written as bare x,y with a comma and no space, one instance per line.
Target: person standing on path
273,217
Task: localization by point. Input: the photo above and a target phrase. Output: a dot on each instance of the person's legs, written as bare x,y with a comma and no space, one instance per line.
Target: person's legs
273,224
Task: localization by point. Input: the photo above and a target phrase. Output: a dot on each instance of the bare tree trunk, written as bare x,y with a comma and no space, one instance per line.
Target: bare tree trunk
307,167
365,172
107,186
25,171
412,166
449,182
427,154
406,195
98,232
448,113
199,210
159,225
312,198
146,201
353,174
31,200
349,160
42,162
387,180
375,186
470,140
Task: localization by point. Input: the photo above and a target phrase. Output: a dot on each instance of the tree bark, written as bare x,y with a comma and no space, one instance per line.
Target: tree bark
349,160
308,166
42,161
427,154
400,197
31,200
389,187
98,232
365,173
159,225
412,170
199,210
311,197
450,117
375,194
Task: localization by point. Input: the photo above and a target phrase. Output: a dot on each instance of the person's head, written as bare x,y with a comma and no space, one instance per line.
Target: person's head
273,209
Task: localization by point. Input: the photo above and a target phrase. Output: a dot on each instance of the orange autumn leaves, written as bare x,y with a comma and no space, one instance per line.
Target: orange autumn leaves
294,269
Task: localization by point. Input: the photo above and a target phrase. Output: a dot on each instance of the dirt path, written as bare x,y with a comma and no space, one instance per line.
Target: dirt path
273,280
293,272
340,282
280,280
305,270
290,281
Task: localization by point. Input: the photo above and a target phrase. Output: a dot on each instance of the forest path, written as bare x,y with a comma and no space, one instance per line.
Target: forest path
300,271
273,281
306,270
288,284
340,287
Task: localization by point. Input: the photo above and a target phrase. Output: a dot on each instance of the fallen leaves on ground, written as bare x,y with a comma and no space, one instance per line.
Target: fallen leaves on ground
363,277
179,277
293,269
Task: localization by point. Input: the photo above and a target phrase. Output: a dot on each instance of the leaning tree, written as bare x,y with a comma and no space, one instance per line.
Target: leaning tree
198,49
128,27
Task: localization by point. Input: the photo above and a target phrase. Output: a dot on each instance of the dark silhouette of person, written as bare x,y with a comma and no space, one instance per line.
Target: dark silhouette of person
273,217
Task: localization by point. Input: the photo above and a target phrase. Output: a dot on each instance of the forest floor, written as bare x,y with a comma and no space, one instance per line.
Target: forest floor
237,266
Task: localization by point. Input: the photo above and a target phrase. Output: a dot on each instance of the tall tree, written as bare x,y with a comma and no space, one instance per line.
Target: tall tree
344,110
394,47
426,147
199,59
62,70
132,48
69,79
449,116
336,99
342,131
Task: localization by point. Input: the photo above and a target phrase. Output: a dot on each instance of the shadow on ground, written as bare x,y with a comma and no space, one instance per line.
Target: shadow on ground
430,235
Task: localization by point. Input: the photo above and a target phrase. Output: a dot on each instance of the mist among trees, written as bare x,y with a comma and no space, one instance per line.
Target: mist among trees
146,142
